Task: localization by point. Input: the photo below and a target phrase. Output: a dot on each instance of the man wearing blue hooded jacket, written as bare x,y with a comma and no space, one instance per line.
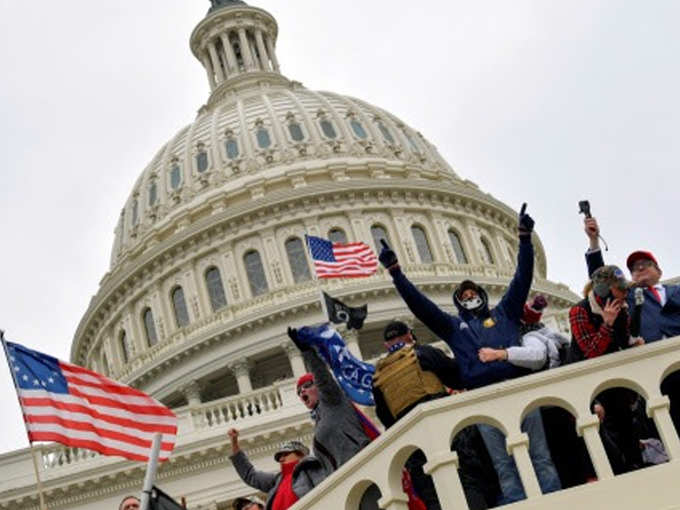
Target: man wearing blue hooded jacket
478,326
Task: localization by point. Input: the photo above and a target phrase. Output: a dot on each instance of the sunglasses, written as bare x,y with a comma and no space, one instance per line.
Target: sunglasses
304,386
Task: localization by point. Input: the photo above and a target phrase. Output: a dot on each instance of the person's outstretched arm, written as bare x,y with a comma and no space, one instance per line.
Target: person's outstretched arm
594,259
518,290
329,391
259,480
441,323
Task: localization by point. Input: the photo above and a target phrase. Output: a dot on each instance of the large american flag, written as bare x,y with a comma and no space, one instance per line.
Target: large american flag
341,260
78,407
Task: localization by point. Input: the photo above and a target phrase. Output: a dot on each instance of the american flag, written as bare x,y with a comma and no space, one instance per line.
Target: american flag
78,407
341,260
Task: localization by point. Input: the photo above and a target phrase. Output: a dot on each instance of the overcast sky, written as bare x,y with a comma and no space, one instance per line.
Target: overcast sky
543,102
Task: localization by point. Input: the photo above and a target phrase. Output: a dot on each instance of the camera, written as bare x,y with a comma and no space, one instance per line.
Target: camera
584,207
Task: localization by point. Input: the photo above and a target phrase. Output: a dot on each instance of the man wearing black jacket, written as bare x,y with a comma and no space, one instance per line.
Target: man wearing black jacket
411,374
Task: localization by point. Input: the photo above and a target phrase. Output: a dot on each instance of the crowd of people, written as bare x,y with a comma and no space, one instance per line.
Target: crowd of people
490,345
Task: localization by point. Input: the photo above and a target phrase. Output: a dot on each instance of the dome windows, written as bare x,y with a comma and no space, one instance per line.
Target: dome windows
385,132
255,273
179,306
328,129
457,246
487,254
358,129
378,232
135,212
231,147
264,141
422,245
153,193
124,347
337,235
213,282
149,327
297,259
202,162
175,174
295,131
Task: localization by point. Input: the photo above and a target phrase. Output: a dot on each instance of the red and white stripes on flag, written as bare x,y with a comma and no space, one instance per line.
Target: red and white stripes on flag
78,407
341,260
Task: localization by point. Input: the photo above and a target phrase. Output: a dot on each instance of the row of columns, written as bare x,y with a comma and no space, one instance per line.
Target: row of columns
241,368
221,62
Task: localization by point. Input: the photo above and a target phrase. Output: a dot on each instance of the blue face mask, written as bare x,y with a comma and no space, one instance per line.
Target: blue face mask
396,347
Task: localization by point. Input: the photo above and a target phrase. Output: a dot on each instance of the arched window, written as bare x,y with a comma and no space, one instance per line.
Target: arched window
295,131
180,307
153,193
337,235
457,246
385,132
412,142
328,129
486,251
213,282
358,129
378,232
150,327
202,160
264,141
231,146
175,176
135,212
124,348
421,244
105,365
255,273
297,258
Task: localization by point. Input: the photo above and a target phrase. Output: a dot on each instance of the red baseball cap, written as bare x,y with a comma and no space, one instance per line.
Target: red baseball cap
304,378
639,255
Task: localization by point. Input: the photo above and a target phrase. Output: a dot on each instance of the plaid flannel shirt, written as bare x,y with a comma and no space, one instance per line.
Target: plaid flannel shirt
592,341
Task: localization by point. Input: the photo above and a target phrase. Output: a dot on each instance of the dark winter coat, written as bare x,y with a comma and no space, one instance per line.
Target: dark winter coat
338,434
656,322
467,333
307,474
432,360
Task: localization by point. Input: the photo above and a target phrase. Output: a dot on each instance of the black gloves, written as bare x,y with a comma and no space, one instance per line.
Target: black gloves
387,256
292,333
526,222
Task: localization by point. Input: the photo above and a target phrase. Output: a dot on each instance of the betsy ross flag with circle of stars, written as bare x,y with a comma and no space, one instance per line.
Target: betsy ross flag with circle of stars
341,260
77,407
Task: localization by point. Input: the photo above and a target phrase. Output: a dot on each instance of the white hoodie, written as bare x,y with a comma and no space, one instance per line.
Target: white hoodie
537,346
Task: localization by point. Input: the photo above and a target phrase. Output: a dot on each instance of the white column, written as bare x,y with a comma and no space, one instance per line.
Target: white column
658,408
205,58
241,370
217,66
264,57
444,471
232,64
518,447
245,50
588,427
192,392
272,53
297,363
393,501
352,340
137,342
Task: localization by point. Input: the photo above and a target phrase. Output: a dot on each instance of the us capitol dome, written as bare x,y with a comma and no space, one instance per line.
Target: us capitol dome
208,266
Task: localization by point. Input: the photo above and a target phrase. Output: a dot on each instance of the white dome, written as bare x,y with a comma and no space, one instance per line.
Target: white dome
262,135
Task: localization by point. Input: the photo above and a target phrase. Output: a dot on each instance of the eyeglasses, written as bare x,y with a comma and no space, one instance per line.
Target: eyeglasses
641,265
305,386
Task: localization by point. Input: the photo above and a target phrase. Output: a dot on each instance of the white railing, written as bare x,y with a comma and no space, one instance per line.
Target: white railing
432,426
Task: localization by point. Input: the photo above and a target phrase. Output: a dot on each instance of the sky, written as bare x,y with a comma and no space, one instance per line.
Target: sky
541,102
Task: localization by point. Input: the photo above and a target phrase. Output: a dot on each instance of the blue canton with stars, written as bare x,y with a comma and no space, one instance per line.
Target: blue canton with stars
321,249
354,376
34,370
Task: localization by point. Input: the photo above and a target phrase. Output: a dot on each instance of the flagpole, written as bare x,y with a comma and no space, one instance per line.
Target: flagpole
30,443
151,468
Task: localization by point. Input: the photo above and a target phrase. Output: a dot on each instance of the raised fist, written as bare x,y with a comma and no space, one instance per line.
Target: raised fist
526,222
387,256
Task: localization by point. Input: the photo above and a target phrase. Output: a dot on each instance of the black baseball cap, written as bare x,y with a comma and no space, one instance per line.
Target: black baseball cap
395,329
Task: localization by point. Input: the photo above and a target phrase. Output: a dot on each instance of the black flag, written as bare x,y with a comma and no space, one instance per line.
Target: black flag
159,500
339,312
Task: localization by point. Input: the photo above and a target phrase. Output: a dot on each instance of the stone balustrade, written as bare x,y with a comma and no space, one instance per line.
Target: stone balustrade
431,427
